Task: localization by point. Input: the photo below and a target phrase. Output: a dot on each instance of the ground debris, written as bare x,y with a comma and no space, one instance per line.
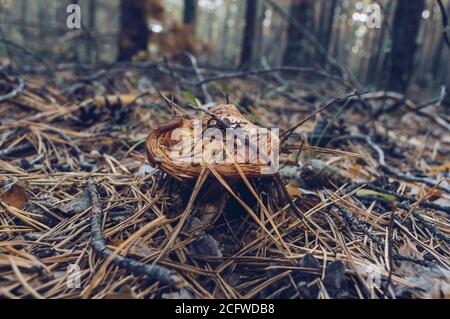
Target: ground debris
92,201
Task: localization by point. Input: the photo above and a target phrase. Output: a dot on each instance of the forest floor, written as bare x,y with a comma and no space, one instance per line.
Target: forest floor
369,176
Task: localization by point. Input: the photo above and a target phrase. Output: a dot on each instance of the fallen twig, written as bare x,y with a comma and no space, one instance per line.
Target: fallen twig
153,272
16,91
25,147
247,73
199,77
400,197
390,170
81,159
356,225
288,132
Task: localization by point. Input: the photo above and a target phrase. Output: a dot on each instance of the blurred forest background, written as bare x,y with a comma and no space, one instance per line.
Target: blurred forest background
407,52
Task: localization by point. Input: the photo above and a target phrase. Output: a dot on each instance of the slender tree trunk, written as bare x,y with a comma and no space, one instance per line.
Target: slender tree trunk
92,23
134,32
190,12
327,27
24,18
225,36
252,34
336,38
408,15
297,52
438,52
376,59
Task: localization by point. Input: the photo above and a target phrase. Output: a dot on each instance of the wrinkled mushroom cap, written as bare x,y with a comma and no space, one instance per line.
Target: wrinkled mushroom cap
182,146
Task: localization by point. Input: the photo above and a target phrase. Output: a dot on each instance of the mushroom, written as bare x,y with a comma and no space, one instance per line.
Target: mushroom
221,137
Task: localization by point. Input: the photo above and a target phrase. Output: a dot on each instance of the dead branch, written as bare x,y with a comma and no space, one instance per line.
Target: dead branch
388,169
15,92
400,197
153,272
19,149
247,73
288,132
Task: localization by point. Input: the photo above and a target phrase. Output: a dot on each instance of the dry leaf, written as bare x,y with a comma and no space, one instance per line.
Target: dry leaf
293,191
15,194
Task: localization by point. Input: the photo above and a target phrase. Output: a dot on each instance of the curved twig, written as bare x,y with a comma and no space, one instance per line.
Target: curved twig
288,132
17,90
243,74
154,272
390,170
400,197
16,150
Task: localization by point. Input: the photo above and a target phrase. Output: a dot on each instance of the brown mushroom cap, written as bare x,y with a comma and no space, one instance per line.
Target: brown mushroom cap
183,130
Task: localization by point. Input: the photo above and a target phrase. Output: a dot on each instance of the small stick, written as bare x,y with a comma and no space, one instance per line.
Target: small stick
286,134
16,150
390,170
390,252
357,225
247,73
403,198
199,76
81,159
153,272
20,87
431,228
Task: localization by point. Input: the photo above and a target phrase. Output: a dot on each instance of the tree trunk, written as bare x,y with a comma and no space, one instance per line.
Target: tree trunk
24,18
92,23
438,53
252,33
225,36
327,27
190,12
297,52
378,56
134,32
408,15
